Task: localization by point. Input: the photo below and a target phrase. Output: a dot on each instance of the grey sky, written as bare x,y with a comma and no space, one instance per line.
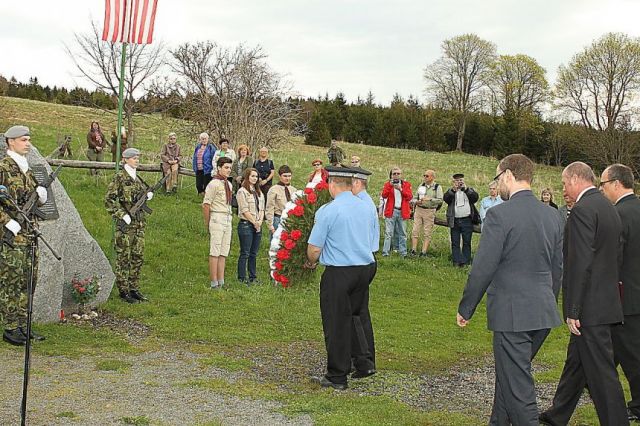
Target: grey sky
351,46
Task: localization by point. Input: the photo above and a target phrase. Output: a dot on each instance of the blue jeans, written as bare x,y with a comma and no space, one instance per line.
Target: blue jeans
395,225
462,227
249,245
276,222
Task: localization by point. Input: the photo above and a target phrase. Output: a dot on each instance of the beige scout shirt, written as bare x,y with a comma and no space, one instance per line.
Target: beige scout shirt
247,204
216,197
276,199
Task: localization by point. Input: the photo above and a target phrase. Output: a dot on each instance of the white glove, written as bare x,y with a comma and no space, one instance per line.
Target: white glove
149,195
127,219
42,194
13,226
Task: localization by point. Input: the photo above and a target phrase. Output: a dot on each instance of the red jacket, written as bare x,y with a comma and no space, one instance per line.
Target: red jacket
389,196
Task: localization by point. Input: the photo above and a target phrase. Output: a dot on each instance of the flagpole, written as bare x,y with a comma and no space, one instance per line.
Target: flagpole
123,61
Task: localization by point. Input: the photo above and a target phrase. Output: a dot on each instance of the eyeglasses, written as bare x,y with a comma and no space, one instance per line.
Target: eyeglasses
425,175
606,181
396,173
355,161
317,164
499,174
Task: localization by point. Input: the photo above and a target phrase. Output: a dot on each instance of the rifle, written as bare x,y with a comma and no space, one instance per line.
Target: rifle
30,207
140,205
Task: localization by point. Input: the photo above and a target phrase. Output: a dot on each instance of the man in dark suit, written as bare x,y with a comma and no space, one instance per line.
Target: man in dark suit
591,302
616,183
519,266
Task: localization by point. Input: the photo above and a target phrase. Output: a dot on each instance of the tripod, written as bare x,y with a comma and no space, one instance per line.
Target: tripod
33,233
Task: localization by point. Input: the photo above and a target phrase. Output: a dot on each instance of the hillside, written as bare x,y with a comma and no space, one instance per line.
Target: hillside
274,336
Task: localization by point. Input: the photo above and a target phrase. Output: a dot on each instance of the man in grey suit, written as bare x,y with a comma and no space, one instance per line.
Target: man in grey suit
519,266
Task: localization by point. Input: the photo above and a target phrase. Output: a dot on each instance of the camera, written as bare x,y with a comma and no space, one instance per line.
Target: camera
395,181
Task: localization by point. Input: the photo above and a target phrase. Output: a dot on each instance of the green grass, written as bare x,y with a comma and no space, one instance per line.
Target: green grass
413,302
113,365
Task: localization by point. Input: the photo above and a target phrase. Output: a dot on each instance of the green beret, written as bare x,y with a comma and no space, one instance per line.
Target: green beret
17,132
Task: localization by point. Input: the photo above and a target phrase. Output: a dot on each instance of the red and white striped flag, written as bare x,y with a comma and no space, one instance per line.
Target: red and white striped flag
129,21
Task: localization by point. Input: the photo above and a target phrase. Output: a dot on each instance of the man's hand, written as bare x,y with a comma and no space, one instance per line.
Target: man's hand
149,195
574,326
309,265
461,321
13,226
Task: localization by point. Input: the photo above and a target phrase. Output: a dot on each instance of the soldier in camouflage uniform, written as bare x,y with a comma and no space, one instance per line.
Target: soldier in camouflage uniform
335,154
15,262
122,194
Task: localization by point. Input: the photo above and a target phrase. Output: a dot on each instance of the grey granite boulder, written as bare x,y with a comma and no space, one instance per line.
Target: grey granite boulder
81,254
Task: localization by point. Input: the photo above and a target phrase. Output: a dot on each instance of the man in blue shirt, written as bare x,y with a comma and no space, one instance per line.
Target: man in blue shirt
337,242
489,201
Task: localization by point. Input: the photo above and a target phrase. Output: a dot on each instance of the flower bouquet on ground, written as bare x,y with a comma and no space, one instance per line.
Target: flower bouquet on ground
288,250
84,291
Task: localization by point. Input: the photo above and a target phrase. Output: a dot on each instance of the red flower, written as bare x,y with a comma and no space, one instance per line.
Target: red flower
81,289
308,191
296,234
289,244
278,266
284,280
276,276
284,236
299,201
297,211
312,198
322,185
283,254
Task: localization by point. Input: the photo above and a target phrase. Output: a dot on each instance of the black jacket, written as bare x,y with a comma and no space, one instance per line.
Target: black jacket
590,259
629,210
449,197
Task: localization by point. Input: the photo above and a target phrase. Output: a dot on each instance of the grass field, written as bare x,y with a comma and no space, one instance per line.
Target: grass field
413,302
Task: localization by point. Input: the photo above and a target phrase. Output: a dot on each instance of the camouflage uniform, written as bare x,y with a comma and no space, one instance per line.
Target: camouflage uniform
15,262
335,155
121,196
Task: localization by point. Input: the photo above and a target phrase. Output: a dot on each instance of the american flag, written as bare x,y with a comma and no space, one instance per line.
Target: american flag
129,21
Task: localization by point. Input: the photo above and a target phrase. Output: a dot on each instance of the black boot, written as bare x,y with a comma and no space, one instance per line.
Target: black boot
137,295
34,335
128,298
14,337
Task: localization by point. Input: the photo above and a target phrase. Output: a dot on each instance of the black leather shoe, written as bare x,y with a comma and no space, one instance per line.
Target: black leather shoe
34,335
14,337
544,419
361,374
632,416
137,295
326,383
128,298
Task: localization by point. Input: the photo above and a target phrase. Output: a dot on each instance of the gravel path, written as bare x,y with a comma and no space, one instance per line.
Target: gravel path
156,387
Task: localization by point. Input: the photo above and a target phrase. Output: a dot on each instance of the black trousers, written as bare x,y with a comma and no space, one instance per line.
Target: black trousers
626,351
590,364
514,400
344,294
363,348
202,180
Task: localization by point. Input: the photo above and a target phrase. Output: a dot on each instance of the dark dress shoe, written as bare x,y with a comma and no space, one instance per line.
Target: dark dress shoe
14,337
326,383
544,419
633,417
137,295
361,374
34,335
128,298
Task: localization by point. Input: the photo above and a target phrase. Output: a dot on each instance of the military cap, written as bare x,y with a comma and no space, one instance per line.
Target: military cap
360,173
130,152
17,132
458,176
337,171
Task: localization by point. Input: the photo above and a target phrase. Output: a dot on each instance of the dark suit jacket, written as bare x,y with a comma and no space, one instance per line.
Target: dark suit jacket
629,210
519,265
590,278
449,197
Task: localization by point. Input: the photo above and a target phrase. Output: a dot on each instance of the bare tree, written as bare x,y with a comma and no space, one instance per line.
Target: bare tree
233,92
99,63
600,81
518,84
455,80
